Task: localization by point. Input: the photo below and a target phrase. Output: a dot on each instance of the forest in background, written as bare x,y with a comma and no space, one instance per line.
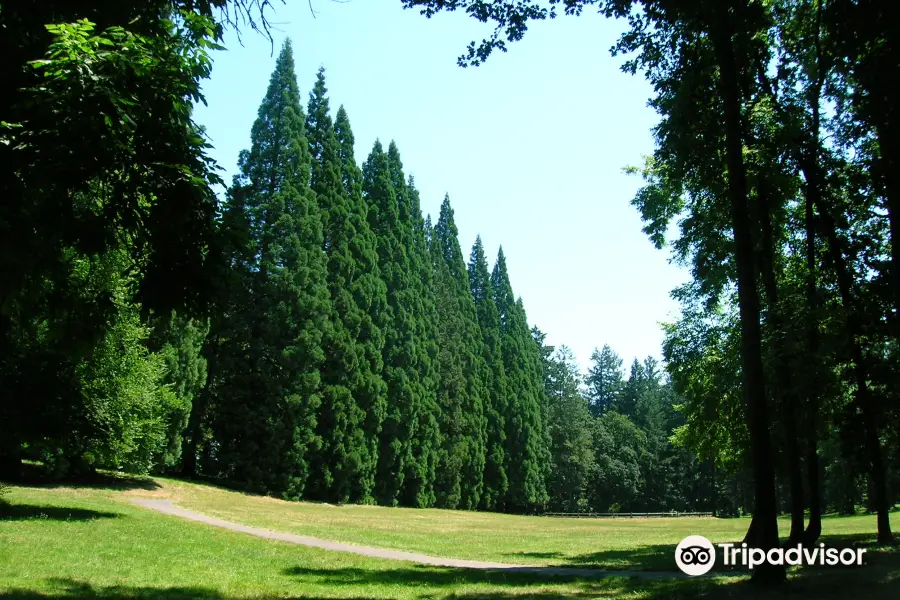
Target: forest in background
314,337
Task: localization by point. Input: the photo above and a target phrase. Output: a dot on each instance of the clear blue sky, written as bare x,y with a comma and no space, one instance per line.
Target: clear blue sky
530,147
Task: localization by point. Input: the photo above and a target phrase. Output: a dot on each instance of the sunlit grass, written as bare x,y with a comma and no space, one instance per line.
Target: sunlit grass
90,542
620,543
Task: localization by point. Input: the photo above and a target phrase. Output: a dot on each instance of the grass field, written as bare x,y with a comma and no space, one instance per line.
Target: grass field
88,541
633,544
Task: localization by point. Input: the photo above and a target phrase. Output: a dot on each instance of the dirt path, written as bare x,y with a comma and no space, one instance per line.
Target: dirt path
166,507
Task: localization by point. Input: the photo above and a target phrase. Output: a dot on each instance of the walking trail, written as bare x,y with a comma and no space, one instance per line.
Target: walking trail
167,507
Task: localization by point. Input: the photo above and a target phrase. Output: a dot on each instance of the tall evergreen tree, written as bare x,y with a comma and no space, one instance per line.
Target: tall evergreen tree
604,380
403,467
353,394
527,452
496,482
462,394
632,390
266,424
366,250
427,441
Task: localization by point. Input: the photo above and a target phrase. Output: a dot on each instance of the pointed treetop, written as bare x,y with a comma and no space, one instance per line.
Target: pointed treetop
343,131
283,76
394,153
446,216
319,128
319,91
279,149
500,264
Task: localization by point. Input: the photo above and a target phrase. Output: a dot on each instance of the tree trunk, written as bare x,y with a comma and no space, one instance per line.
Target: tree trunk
764,523
788,399
811,174
10,445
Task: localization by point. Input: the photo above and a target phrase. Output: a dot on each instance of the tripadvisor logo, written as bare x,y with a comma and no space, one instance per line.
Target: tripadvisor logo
695,555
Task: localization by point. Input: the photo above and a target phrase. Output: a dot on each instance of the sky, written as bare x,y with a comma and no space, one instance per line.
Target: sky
530,147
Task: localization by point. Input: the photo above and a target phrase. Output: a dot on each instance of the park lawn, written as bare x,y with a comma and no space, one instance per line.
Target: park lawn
89,542
632,544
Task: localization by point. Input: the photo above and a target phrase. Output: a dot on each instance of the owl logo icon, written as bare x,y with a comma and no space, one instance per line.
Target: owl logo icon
695,555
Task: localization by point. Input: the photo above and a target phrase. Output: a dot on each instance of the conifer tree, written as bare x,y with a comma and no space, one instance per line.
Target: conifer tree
366,250
570,426
496,482
427,440
632,390
265,425
401,472
527,452
462,393
604,380
418,297
353,393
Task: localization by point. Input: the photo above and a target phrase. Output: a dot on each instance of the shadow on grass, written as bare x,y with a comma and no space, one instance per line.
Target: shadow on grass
22,512
537,554
62,589
872,583
418,576
34,475
661,557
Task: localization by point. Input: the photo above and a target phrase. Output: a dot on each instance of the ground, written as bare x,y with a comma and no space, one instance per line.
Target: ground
90,541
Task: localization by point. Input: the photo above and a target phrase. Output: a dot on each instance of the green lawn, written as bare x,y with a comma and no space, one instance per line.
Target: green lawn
633,544
89,542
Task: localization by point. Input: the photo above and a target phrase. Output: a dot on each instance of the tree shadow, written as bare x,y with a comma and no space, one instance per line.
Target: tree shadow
36,476
23,512
882,583
660,557
74,590
536,554
418,576
68,589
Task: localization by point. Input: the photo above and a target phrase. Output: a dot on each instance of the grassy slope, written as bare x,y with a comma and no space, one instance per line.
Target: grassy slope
88,542
634,544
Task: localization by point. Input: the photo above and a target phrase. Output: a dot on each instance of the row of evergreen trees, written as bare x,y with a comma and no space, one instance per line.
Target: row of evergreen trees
312,336
355,356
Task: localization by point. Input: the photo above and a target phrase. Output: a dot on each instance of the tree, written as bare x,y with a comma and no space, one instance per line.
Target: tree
179,341
421,298
405,466
462,392
370,297
265,427
496,482
353,392
604,380
619,449
527,452
100,157
571,433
